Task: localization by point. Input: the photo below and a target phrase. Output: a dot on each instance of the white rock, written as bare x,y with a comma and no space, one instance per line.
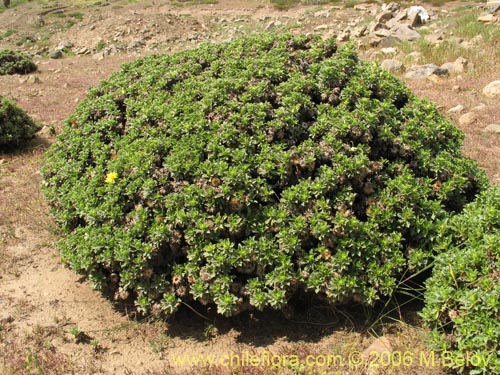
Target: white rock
389,51
420,11
492,90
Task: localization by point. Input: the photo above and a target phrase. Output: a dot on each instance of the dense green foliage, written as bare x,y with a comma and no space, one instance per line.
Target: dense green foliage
12,62
463,294
16,126
241,173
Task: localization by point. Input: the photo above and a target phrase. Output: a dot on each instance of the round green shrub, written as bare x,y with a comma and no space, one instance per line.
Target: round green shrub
16,127
241,173
12,62
462,301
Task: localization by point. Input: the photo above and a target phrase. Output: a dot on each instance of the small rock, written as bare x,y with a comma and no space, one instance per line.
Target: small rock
406,34
461,64
450,67
270,26
493,128
457,67
57,54
417,15
486,18
111,50
136,44
479,108
391,7
359,31
47,132
424,71
388,41
65,44
82,51
322,13
382,33
384,17
33,80
344,36
98,56
361,7
373,42
415,20
456,110
374,26
467,119
492,90
392,65
401,15
389,51
493,7
321,27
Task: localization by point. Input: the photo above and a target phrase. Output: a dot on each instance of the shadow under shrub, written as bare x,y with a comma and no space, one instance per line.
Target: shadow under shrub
16,127
240,173
462,300
12,62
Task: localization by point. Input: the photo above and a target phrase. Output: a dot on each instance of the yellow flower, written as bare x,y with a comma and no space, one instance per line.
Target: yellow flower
111,177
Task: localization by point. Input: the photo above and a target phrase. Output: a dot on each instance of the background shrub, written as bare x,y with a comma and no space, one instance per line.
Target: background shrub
239,173
12,62
462,300
16,126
